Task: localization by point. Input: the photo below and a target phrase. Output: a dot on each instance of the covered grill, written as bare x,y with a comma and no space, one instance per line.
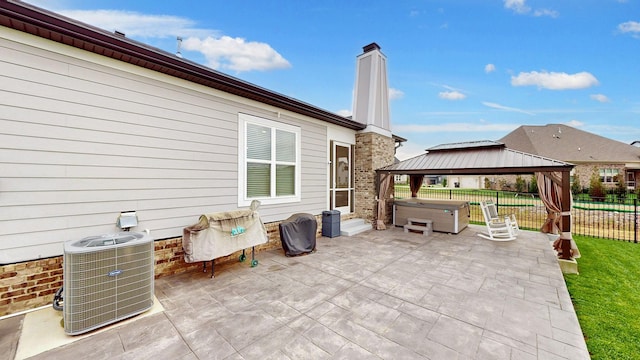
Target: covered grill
223,233
298,234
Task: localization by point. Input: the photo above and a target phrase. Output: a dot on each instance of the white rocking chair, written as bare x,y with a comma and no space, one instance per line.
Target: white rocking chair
498,229
493,212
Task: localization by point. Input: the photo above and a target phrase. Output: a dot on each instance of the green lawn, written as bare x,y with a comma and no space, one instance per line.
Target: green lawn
606,296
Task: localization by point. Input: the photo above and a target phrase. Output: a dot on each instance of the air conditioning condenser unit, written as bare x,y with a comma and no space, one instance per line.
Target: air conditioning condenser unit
107,278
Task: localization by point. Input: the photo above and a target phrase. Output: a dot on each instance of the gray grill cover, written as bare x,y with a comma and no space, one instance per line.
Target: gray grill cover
298,234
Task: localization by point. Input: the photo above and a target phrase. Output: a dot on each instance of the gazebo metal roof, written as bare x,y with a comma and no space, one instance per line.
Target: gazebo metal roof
475,158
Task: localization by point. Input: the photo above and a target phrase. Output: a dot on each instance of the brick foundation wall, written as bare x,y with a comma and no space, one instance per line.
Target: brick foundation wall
31,284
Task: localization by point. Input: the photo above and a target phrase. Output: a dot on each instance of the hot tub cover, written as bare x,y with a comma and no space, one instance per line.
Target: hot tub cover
298,234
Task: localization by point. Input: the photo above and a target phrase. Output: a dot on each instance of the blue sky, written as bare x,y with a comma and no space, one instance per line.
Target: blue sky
459,70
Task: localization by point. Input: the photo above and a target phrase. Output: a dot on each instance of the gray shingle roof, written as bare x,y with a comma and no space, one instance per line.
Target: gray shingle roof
570,144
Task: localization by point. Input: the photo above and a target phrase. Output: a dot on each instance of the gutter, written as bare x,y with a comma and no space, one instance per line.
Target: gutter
42,23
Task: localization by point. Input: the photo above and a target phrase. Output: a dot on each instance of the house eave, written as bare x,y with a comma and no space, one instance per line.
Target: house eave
38,22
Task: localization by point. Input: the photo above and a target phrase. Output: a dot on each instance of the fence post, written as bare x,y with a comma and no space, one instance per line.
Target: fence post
635,220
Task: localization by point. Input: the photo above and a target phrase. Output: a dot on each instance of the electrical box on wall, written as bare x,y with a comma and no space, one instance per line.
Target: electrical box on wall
127,220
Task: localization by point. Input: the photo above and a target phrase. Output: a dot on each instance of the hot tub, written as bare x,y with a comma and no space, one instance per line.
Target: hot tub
450,216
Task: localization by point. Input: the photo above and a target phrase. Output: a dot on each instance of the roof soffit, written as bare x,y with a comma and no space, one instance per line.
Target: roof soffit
42,23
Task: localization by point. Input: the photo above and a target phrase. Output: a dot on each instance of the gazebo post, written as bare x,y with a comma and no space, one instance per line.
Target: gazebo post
565,244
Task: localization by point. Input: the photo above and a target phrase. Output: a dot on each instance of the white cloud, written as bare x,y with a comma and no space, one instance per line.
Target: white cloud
220,51
395,94
632,27
450,88
236,54
489,68
600,97
546,12
451,95
344,112
505,108
448,113
138,25
574,123
521,7
555,80
518,6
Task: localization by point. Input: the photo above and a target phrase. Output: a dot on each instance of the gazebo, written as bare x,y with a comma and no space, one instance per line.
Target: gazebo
489,158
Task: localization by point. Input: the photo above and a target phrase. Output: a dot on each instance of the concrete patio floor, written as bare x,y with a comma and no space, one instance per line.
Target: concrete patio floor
380,294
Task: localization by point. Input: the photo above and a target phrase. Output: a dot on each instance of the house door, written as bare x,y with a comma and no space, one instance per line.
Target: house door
341,192
631,180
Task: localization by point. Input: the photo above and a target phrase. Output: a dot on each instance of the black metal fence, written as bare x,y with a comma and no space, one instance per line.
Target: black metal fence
595,217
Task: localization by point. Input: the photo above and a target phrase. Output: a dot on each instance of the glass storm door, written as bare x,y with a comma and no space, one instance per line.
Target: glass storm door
342,184
631,180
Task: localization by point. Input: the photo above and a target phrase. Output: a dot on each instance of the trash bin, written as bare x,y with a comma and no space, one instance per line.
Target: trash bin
331,223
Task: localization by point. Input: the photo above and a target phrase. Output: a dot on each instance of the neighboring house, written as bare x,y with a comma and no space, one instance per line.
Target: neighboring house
399,179
458,180
589,152
93,123
466,181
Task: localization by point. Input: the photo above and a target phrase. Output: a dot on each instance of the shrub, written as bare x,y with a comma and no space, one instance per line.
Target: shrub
621,187
503,185
533,185
596,189
520,184
575,185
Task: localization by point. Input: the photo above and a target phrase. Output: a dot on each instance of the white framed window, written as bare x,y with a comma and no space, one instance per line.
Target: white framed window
609,176
268,161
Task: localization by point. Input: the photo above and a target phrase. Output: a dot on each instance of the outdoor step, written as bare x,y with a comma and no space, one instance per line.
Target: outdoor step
426,230
354,226
413,221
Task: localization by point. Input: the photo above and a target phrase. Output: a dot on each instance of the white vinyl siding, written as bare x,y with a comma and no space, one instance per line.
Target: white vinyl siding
83,138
